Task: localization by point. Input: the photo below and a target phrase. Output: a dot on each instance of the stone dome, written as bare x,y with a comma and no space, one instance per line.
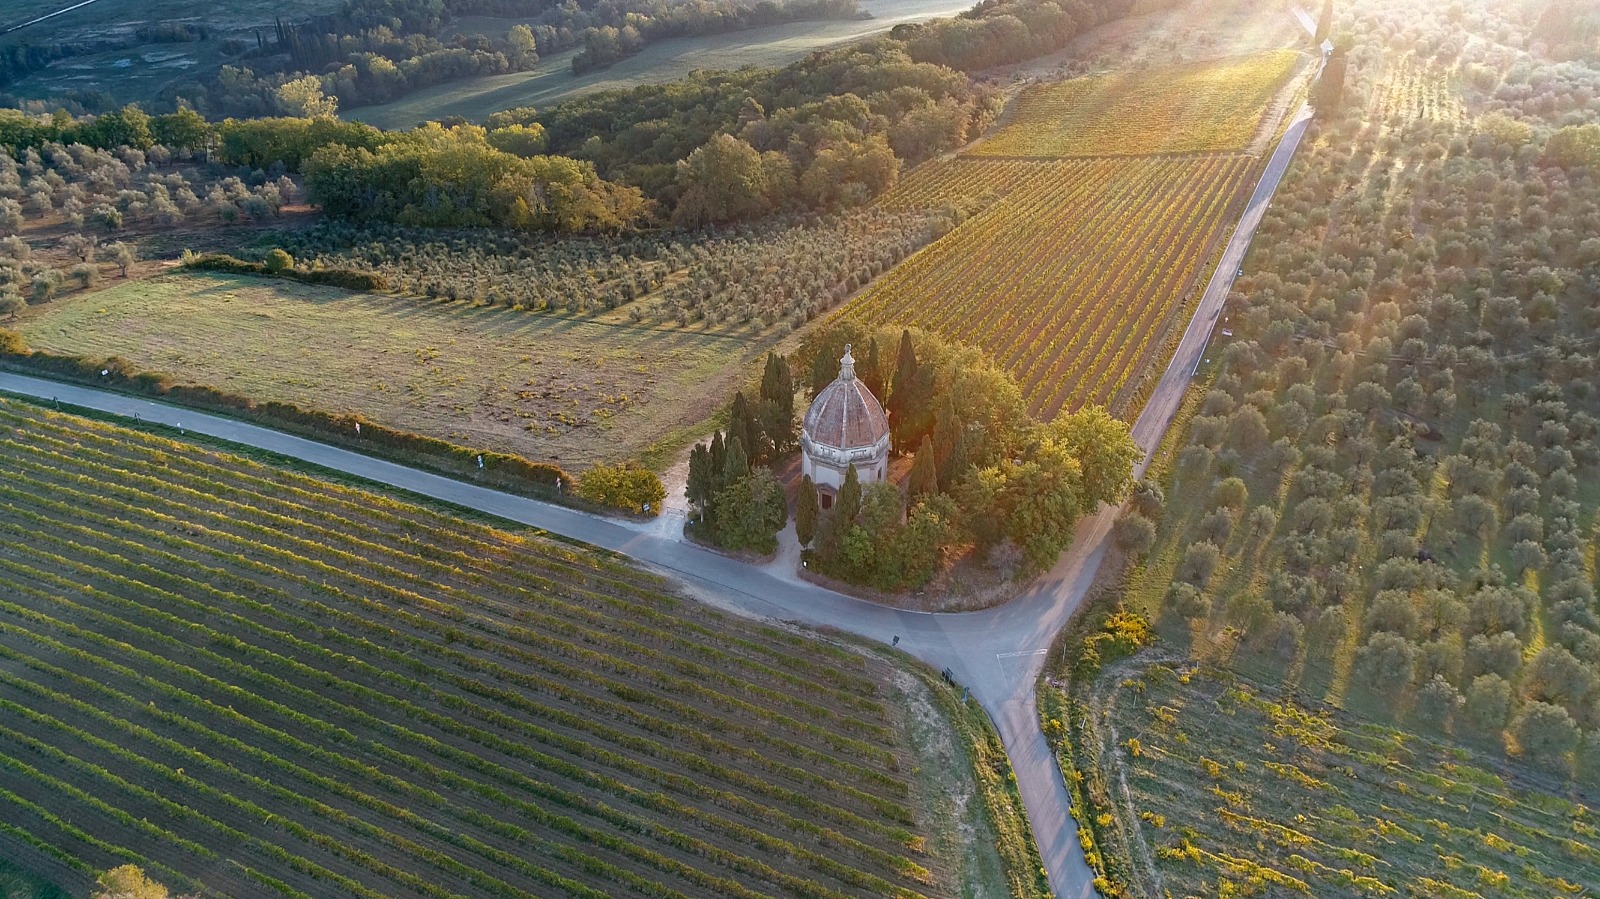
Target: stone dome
845,417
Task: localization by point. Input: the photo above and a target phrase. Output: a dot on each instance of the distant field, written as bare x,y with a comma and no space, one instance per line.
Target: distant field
1232,791
552,80
1074,281
1200,107
139,71
269,685
544,386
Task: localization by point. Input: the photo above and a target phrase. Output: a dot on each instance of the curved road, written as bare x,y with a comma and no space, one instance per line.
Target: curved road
997,653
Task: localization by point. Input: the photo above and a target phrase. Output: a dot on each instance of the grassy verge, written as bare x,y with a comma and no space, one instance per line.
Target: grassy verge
500,471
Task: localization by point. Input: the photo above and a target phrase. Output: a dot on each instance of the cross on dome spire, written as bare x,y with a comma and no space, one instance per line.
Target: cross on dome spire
847,365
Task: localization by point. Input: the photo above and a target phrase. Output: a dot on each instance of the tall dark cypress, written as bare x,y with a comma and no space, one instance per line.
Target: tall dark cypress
924,478
871,373
777,403
946,433
737,465
742,424
806,511
824,368
902,393
848,505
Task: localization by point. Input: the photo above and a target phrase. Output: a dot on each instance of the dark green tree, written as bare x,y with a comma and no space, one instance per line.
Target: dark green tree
719,458
924,478
946,434
702,478
848,504
870,371
736,465
824,368
754,509
777,403
806,511
903,398
743,424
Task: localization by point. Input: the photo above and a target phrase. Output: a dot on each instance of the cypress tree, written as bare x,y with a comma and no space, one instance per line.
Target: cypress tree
871,373
719,460
924,479
777,389
824,368
959,461
902,392
701,476
806,511
742,425
848,505
946,431
737,464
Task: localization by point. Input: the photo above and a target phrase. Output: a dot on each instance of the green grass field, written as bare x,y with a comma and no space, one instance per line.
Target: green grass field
266,684
1227,790
543,386
552,80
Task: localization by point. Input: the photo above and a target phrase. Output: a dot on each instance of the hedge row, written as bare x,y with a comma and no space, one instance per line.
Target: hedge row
349,279
501,470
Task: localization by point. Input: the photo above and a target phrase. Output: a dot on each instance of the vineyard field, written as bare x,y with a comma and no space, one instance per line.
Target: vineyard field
1195,108
255,682
1075,278
1231,790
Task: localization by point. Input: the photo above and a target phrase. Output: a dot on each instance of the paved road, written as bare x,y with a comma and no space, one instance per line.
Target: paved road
997,653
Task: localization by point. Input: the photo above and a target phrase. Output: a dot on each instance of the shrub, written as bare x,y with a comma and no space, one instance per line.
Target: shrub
332,277
1135,534
1199,562
751,511
11,343
1546,733
628,487
279,261
1188,601
46,285
1386,663
85,274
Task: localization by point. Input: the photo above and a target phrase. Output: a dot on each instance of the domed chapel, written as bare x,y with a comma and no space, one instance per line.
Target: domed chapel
845,426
